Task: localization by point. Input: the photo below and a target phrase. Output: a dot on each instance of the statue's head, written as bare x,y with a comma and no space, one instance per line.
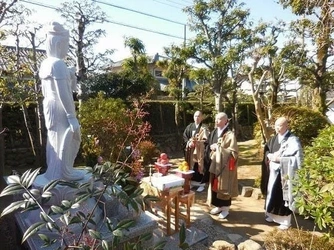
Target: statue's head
57,40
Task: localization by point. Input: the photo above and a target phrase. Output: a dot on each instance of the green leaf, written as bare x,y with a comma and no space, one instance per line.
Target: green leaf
134,205
109,224
50,226
97,192
57,209
44,238
81,215
31,178
139,191
182,234
25,176
13,207
50,185
105,245
160,245
184,245
127,188
68,183
11,189
145,236
118,233
90,220
75,220
94,234
66,203
150,198
75,205
34,228
65,218
327,187
46,194
35,192
125,224
85,185
82,198
14,179
44,216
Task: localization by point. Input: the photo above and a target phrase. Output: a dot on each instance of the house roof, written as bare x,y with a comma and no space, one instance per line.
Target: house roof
8,55
151,60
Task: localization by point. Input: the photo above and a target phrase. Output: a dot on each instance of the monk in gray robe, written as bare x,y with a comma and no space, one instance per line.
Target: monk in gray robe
282,158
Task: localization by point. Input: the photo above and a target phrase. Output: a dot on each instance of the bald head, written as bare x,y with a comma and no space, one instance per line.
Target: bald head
281,125
198,117
221,119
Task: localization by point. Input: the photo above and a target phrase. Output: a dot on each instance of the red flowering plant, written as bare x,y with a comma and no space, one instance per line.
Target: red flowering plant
120,130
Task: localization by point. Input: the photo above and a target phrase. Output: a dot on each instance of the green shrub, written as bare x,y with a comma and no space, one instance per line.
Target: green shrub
315,187
105,126
294,239
303,122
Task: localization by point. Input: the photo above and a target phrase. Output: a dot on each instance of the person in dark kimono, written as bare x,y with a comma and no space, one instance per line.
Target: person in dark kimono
222,155
282,157
194,137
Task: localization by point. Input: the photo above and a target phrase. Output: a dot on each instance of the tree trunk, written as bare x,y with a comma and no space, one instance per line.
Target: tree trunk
40,141
28,127
2,147
218,103
319,100
261,118
323,46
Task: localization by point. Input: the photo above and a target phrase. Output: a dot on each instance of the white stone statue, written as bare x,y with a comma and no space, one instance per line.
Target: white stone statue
63,129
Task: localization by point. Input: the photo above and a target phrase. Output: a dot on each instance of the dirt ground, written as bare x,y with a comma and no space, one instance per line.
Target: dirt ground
246,216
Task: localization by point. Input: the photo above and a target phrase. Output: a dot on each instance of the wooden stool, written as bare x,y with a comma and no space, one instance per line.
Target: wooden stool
188,200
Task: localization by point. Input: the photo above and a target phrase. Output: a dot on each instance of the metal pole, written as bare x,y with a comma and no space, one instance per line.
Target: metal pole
184,35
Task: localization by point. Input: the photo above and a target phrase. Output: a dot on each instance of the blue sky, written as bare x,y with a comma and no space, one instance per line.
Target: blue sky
267,10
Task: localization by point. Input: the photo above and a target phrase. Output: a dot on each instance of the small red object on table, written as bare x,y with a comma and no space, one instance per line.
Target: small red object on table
186,175
162,168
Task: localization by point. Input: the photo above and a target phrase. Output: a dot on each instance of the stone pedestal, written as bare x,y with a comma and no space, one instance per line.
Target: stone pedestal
109,206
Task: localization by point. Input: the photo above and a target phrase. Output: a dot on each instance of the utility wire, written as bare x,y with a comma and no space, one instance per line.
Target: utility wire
139,12
176,7
109,21
178,3
144,29
188,2
40,4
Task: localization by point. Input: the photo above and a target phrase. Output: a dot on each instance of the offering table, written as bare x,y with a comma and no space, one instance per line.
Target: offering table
167,188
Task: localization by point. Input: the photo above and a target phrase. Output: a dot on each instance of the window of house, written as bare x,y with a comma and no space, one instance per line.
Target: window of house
158,73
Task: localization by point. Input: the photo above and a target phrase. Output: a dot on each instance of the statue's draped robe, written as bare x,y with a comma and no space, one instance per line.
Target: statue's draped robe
58,106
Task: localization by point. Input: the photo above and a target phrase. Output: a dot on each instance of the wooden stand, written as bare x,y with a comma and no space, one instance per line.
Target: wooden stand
168,199
186,175
187,199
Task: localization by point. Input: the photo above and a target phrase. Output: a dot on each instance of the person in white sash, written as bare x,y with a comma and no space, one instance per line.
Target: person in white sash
282,156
